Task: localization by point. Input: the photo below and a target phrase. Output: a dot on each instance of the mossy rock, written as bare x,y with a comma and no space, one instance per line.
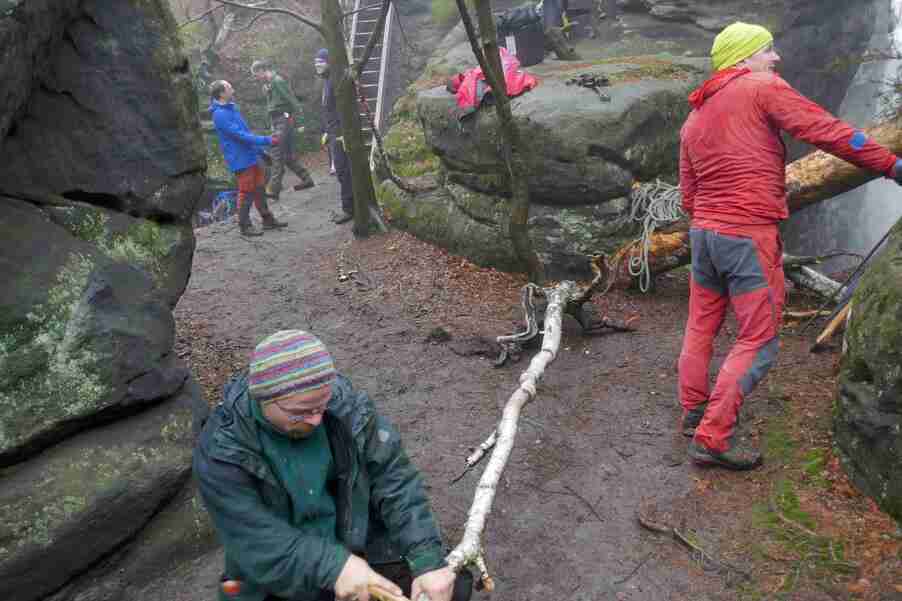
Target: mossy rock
80,501
868,410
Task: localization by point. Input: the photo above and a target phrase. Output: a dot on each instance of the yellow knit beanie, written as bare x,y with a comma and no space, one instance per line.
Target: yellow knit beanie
737,42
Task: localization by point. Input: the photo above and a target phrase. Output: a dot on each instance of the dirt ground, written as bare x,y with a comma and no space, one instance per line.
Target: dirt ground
596,449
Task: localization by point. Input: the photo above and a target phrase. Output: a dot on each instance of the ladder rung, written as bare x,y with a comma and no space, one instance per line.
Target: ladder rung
364,45
366,72
367,20
369,85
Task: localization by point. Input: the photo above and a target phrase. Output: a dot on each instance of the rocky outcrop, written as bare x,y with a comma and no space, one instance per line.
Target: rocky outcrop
103,164
867,416
583,156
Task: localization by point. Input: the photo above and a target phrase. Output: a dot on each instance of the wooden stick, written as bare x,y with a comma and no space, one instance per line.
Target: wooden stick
831,328
380,594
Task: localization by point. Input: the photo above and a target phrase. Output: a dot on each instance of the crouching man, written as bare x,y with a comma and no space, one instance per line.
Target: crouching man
310,490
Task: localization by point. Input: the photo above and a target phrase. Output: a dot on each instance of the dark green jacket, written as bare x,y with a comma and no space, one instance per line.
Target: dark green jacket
382,510
280,99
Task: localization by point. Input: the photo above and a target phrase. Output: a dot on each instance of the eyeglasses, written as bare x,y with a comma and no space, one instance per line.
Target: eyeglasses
298,415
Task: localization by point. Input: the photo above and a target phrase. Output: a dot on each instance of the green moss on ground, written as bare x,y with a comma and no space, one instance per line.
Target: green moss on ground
409,154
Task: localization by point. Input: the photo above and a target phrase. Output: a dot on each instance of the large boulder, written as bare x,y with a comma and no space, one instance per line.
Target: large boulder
868,411
103,165
583,154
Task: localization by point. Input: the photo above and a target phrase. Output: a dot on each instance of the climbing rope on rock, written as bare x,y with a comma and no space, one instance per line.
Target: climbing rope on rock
654,204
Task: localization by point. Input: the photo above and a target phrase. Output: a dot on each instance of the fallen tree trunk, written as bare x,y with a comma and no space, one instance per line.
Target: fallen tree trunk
811,179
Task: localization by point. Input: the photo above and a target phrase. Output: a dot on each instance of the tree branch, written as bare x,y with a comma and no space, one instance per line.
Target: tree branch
278,11
200,17
469,550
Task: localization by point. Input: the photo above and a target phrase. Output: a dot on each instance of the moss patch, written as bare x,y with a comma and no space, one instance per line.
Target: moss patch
409,154
47,362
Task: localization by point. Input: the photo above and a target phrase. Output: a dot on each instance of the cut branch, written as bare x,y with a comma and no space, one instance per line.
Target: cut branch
469,550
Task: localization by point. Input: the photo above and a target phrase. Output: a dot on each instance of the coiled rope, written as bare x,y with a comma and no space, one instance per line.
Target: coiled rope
654,204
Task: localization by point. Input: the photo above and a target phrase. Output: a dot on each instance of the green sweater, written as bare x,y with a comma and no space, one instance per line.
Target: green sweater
280,98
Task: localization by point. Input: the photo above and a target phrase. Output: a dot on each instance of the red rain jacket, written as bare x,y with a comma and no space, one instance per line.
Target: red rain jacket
731,155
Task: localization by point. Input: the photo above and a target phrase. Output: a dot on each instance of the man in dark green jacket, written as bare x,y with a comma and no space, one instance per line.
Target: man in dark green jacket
286,117
310,490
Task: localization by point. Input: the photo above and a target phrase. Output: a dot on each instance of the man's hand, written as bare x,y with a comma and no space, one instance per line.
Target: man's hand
356,576
438,585
341,139
274,140
300,130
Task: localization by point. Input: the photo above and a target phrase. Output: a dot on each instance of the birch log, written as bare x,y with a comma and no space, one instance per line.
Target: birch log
469,551
811,179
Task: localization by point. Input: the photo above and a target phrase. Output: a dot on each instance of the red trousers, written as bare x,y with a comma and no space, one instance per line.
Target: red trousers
251,182
740,266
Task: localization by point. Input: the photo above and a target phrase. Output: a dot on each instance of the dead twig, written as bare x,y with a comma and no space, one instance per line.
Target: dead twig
569,492
638,567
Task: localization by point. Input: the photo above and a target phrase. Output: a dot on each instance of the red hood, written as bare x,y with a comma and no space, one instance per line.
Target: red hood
714,84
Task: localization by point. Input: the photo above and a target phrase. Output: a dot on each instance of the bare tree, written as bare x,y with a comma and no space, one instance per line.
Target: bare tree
514,153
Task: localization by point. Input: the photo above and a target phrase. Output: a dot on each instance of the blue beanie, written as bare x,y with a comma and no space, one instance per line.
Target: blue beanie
322,54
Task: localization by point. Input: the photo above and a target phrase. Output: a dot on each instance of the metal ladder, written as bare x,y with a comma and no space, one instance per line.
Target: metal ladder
372,78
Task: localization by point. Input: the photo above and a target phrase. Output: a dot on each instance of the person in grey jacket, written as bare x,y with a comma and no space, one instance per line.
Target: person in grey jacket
310,490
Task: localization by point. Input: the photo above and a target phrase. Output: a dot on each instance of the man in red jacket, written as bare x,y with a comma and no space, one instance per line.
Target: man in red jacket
732,182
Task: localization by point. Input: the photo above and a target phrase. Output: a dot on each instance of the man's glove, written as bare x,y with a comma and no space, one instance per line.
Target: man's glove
324,140
274,140
300,130
895,172
342,140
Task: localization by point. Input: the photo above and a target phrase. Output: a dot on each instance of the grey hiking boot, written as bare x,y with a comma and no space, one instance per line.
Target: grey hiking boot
691,420
736,457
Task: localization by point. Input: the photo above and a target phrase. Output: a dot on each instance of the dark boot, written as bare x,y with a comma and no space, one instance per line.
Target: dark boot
342,217
692,418
244,218
271,223
269,220
249,230
308,183
737,457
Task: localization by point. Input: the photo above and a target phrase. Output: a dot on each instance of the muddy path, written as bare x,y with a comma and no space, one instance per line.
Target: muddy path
598,441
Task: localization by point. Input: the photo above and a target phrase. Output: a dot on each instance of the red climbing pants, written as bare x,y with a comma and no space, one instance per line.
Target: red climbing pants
741,266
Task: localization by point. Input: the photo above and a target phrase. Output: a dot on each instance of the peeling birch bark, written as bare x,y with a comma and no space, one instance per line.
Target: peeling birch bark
807,277
469,551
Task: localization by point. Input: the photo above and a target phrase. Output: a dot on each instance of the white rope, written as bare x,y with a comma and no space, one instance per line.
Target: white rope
653,204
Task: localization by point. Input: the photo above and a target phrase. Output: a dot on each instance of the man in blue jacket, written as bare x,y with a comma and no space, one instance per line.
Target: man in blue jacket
242,151
310,490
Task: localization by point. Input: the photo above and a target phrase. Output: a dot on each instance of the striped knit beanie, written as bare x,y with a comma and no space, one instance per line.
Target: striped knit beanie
289,362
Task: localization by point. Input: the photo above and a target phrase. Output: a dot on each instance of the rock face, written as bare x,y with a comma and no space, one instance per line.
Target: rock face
584,156
103,164
868,411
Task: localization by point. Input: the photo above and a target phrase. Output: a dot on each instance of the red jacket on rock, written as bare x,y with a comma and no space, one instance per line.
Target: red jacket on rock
732,159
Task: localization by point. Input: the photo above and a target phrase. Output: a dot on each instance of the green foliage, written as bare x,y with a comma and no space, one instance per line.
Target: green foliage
811,556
